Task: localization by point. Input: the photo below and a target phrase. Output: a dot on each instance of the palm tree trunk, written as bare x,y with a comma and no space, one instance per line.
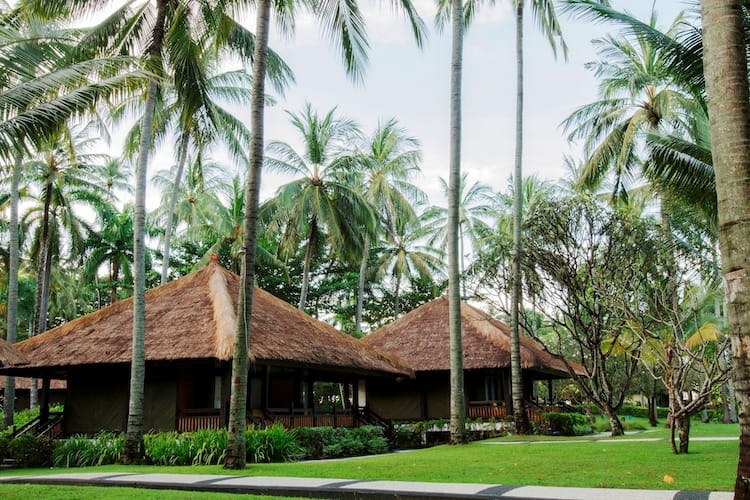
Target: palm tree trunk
361,285
181,159
114,278
134,451
516,376
235,457
9,407
457,404
306,265
725,67
42,284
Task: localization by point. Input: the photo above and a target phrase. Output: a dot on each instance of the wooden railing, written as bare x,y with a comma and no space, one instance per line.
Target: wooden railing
52,427
486,409
198,419
310,418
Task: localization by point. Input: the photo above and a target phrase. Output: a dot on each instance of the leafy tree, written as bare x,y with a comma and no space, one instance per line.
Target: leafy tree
591,263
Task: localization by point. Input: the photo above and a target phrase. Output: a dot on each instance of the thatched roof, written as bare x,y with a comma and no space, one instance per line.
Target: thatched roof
422,339
24,383
10,356
194,317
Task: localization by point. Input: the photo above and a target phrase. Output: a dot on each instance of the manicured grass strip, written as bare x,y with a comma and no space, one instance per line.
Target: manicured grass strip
709,466
52,492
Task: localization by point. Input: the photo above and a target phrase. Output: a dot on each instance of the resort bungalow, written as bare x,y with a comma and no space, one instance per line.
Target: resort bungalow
190,325
421,339
57,389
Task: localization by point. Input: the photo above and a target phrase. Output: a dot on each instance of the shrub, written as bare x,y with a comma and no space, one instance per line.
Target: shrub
568,424
208,447
168,448
31,451
327,442
405,436
273,444
79,451
4,441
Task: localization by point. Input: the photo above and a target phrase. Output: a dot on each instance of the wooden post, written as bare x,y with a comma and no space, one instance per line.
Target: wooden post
355,403
549,390
224,388
267,387
44,403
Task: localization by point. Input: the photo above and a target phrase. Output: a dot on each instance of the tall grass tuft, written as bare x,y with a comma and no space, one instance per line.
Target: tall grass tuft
80,451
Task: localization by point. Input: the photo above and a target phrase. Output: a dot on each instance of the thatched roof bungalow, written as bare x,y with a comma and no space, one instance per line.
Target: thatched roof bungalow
422,339
190,326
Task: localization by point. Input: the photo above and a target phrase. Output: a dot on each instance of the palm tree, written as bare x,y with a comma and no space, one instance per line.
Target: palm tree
544,11
343,24
389,159
457,399
42,86
475,205
404,257
725,66
638,96
112,245
323,203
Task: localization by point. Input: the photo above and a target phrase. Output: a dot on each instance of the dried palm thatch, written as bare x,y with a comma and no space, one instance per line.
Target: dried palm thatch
10,356
24,383
421,339
194,317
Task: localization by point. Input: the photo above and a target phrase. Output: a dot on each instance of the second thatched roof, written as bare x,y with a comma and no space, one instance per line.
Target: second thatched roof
10,356
194,317
422,339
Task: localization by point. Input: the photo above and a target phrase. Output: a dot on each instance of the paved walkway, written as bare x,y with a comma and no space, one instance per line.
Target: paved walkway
629,440
354,489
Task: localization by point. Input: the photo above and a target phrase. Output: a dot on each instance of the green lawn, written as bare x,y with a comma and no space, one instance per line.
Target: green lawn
710,465
25,491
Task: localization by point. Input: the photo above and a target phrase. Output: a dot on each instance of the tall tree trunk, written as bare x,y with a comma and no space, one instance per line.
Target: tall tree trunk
44,270
181,159
458,404
725,67
9,407
614,423
114,278
361,285
682,425
653,420
235,457
520,418
397,296
134,451
311,240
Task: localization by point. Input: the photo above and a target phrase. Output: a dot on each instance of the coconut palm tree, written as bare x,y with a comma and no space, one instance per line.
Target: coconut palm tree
323,204
457,399
342,22
404,257
389,159
725,66
43,84
112,245
638,96
475,207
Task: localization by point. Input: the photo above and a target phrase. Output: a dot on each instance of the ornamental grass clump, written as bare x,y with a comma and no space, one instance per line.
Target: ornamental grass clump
273,444
79,451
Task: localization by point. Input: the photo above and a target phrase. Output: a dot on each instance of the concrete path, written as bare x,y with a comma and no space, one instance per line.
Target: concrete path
354,489
629,440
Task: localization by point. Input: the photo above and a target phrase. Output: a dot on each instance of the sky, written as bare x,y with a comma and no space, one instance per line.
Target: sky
412,85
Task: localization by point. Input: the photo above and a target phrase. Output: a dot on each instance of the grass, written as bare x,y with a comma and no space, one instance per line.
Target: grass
710,465
24,491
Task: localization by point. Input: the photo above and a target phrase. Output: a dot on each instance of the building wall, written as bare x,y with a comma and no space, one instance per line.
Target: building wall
97,400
